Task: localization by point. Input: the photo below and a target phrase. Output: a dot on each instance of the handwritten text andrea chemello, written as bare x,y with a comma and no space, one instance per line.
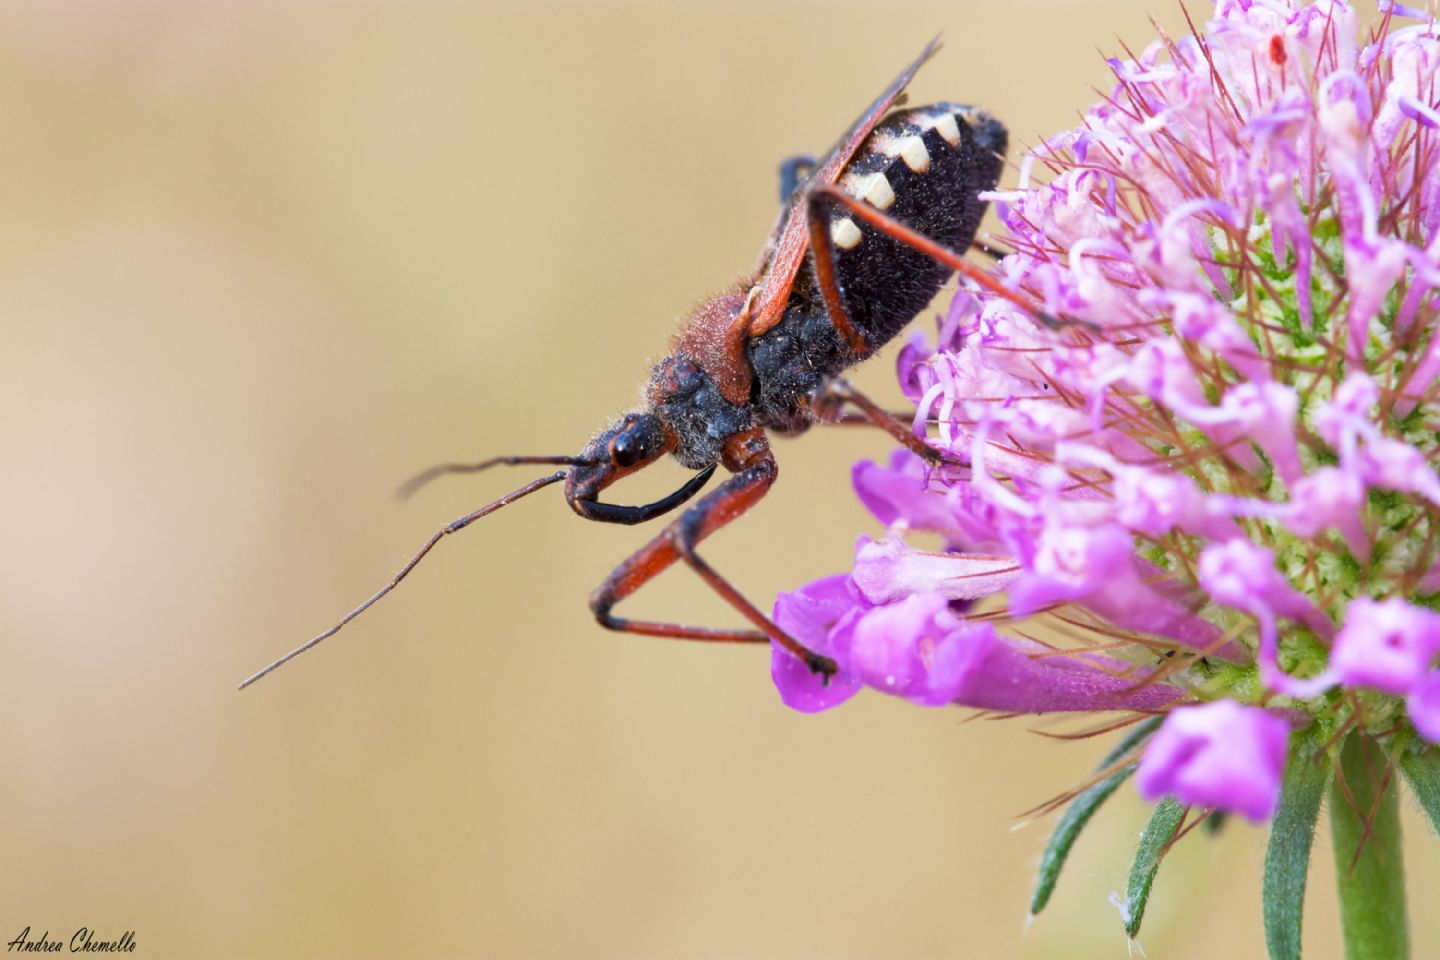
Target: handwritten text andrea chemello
83,940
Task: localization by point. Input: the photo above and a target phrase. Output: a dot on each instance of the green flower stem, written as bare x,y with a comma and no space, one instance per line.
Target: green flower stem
1372,885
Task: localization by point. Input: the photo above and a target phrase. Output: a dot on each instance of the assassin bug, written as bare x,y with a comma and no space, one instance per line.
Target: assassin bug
863,243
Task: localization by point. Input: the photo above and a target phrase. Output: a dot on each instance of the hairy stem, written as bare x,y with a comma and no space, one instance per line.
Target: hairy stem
1370,868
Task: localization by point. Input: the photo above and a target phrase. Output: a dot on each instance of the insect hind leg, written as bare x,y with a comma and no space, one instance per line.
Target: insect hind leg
821,246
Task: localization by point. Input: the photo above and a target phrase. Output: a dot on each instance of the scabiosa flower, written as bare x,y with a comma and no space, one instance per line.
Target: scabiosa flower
1199,444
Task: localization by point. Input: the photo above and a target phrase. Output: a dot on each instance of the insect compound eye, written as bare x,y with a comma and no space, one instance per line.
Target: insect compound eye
626,450
638,438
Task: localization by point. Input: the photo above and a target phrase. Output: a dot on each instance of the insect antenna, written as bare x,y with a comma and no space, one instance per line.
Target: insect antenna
408,488
444,531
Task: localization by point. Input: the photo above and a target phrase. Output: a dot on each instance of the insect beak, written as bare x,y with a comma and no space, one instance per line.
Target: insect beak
632,444
592,509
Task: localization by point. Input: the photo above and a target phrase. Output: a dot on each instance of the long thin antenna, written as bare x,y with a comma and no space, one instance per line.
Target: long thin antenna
460,524
408,488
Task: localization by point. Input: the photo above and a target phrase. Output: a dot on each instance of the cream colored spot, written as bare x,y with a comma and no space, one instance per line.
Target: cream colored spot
885,143
878,192
844,233
949,129
916,157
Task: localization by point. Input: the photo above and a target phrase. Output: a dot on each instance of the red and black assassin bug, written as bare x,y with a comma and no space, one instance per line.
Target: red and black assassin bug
863,244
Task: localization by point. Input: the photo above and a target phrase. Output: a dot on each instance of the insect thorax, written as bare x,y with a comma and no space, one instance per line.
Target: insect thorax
692,407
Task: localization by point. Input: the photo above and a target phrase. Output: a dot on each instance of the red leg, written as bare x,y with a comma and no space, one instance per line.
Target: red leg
678,542
838,392
822,252
820,247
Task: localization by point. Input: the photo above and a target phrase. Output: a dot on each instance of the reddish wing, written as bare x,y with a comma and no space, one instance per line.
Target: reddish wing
794,241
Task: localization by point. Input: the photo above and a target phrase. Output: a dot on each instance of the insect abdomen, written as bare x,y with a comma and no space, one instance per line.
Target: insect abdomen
923,167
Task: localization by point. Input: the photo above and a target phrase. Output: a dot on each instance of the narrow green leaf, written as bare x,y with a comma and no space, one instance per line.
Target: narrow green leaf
1077,815
1287,858
1081,809
1158,832
1369,853
1422,772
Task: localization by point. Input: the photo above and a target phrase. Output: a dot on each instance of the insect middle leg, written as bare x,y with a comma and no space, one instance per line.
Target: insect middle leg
677,542
838,392
830,403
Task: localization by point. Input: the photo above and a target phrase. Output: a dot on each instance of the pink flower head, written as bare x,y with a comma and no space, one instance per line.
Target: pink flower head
1220,755
1195,470
1184,445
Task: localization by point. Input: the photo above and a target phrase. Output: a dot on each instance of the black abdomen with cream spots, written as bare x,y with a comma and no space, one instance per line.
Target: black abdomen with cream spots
923,167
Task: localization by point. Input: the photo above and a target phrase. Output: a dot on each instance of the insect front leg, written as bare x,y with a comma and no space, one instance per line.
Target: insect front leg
677,542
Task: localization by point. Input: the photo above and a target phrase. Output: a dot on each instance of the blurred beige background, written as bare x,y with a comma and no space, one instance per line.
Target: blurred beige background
260,262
